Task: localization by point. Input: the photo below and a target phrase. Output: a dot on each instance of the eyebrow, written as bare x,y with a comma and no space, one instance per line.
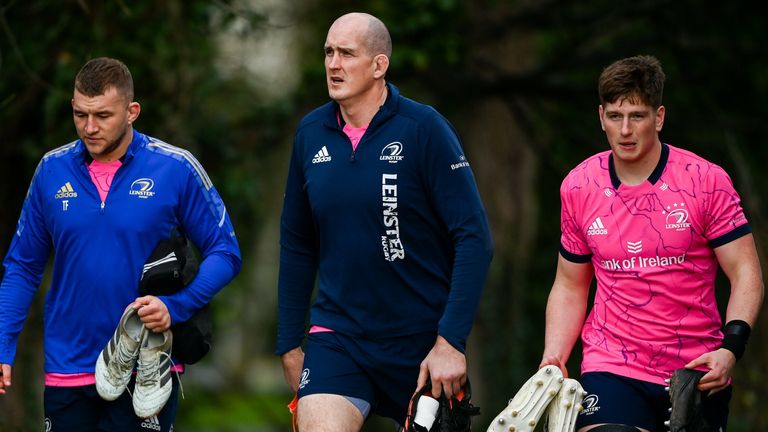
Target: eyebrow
339,48
98,112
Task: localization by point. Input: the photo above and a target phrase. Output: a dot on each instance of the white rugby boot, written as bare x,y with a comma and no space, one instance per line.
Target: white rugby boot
153,379
116,361
527,406
563,410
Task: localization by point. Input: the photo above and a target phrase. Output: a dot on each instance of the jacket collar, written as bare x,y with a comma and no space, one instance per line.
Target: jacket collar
139,140
332,115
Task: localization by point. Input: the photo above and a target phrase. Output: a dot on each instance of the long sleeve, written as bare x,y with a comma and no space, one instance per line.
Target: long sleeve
298,260
24,266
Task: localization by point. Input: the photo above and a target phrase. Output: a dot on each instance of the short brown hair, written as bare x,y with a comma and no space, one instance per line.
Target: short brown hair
638,78
101,73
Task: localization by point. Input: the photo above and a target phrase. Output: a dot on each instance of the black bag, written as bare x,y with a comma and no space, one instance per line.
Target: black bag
172,266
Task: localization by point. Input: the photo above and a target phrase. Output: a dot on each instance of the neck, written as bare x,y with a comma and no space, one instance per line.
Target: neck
118,150
360,112
633,173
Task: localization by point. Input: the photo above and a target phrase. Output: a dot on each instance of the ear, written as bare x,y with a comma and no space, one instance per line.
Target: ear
600,112
380,66
134,109
660,113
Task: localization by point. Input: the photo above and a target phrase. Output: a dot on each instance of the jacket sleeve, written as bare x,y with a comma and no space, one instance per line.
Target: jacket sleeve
298,259
204,217
456,199
24,266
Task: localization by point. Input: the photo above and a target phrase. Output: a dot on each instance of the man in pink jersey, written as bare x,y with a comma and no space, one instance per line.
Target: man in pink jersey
652,223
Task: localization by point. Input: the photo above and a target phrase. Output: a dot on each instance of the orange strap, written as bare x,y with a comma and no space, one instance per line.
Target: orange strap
293,408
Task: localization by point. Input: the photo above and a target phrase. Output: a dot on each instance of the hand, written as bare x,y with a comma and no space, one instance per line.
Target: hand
554,361
153,313
446,367
5,379
293,363
720,364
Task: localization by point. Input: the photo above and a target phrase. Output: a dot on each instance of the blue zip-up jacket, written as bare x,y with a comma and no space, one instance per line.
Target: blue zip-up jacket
395,230
100,247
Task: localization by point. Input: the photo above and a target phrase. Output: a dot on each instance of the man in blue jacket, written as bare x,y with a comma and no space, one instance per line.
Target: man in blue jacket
381,205
101,204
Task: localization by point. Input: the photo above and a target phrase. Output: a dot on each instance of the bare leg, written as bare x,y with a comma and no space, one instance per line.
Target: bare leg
328,413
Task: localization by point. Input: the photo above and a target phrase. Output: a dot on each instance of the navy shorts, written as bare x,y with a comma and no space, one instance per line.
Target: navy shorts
620,400
81,409
382,372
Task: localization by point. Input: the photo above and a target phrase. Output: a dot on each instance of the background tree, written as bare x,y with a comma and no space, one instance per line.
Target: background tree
517,78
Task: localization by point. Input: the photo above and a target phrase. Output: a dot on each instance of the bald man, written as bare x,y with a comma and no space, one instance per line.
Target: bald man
382,207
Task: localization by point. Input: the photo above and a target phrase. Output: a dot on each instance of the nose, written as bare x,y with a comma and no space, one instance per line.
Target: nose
625,129
333,61
91,126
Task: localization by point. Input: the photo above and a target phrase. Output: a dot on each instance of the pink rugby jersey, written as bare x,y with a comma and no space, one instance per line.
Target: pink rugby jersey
652,249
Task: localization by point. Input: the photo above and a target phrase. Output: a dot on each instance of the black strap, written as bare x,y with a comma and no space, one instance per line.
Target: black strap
736,335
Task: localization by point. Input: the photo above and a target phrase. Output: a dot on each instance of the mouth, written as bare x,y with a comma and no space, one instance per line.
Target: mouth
336,80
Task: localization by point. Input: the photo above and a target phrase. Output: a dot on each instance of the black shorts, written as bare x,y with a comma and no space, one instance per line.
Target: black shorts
81,409
620,400
382,372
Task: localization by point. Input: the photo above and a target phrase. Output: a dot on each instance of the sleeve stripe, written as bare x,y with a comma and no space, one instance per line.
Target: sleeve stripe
188,157
730,236
575,258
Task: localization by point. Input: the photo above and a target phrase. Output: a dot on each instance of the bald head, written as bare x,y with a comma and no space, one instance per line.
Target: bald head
376,37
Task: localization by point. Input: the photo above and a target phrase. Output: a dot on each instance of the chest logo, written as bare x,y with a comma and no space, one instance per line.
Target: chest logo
66,191
392,152
142,188
676,217
597,228
322,156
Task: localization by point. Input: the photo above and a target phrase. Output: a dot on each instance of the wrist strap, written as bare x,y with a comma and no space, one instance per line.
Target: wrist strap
736,335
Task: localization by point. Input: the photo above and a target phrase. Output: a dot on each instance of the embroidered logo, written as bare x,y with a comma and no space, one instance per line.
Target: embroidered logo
66,191
322,156
462,163
142,188
597,228
590,404
392,152
152,423
304,378
635,247
677,217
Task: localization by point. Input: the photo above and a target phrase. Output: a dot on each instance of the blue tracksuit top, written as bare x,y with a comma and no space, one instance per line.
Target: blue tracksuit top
395,230
100,248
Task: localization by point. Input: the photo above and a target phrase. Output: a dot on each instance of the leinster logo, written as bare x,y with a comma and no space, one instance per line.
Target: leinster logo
142,188
677,217
391,152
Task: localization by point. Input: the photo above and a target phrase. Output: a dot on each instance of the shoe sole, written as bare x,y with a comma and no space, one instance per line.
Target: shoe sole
686,400
149,402
530,402
563,410
130,324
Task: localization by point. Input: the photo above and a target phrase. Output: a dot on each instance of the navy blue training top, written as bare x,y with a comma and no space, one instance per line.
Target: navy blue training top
395,230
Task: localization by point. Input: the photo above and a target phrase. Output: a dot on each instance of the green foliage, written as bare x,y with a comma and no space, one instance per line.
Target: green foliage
538,63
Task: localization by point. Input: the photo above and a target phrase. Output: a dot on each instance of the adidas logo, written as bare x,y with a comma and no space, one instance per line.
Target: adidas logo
597,228
152,423
66,191
321,156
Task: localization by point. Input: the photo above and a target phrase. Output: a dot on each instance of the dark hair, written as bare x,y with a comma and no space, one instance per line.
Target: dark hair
97,75
638,78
